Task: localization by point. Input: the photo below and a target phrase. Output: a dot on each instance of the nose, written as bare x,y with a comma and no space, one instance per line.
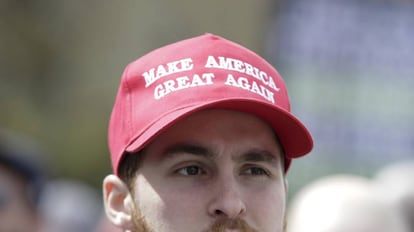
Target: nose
227,200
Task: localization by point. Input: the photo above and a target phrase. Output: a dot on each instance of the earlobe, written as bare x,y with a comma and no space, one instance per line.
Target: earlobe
118,202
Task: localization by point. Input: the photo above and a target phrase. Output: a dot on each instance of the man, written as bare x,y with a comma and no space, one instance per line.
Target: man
201,137
21,182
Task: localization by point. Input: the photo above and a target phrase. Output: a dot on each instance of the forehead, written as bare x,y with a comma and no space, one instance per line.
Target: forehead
219,130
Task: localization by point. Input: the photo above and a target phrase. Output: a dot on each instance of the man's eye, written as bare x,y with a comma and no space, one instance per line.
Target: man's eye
256,171
191,171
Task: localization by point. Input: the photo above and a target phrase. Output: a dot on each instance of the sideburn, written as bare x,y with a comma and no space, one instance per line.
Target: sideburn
139,222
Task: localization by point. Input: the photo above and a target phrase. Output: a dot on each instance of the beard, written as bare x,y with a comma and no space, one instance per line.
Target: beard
233,224
141,225
139,222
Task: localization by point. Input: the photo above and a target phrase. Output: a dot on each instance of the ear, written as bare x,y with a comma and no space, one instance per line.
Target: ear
118,202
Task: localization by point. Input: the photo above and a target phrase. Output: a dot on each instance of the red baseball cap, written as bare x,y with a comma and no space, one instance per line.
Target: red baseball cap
204,72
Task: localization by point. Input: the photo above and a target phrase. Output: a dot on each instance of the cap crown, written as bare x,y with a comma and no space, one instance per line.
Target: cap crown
203,72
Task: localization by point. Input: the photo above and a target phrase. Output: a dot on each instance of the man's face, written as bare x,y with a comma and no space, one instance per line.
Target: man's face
215,169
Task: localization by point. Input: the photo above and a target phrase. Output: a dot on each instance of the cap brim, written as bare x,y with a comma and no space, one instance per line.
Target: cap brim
295,138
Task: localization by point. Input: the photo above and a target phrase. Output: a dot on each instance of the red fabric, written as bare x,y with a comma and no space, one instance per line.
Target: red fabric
203,72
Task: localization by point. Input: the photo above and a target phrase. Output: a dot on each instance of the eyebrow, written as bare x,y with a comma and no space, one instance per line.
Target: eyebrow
253,155
257,155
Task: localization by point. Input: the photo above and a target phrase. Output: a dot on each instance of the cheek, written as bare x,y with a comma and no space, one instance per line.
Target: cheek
147,199
183,204
170,204
268,206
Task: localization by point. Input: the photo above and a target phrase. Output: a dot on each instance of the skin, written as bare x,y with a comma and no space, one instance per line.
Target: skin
15,212
213,169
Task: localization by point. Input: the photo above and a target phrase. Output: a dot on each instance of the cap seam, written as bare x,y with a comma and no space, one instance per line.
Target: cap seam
127,85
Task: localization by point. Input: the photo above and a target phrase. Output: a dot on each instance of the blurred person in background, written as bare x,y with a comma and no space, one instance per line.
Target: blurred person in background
69,206
201,137
396,180
342,203
22,179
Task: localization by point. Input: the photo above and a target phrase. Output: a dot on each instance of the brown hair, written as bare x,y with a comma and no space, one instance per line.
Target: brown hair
128,167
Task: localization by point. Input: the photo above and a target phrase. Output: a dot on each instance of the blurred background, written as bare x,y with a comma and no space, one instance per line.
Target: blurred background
348,64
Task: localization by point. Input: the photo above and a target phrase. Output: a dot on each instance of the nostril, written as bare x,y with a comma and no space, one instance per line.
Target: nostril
218,212
226,200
